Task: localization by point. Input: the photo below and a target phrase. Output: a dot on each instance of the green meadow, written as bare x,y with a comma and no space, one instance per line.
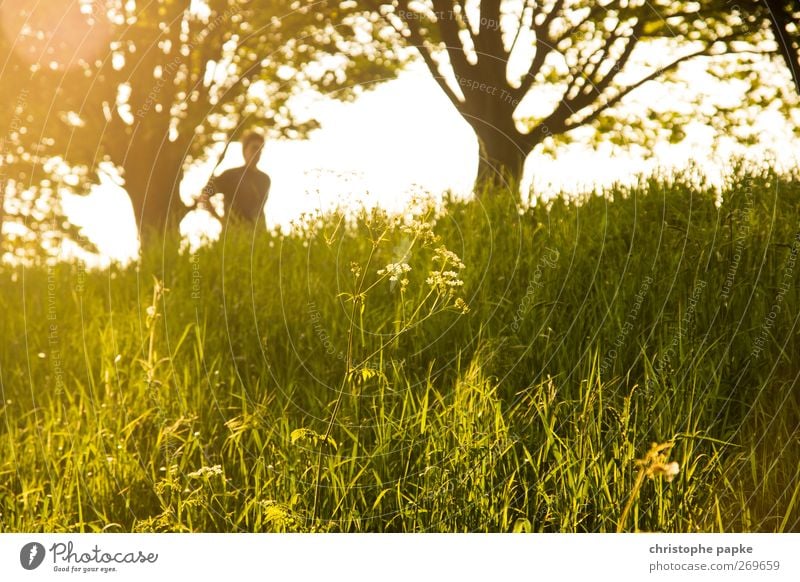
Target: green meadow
626,361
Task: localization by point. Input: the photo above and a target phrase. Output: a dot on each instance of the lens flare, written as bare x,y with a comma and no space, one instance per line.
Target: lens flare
57,34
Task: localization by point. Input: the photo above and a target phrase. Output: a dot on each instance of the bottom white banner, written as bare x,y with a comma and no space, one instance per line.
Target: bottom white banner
440,557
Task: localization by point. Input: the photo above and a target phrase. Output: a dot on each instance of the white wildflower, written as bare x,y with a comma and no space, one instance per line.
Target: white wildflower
448,258
206,472
420,229
395,271
445,282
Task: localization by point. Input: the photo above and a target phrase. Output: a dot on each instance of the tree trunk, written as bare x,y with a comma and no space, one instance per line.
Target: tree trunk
502,157
3,185
152,183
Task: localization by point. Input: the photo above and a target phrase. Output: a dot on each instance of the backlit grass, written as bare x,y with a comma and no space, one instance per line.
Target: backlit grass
281,383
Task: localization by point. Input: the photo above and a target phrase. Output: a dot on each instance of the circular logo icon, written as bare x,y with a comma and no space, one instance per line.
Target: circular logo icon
31,555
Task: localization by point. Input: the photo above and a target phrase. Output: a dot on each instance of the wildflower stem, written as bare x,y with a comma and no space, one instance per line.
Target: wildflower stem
336,406
634,494
357,301
653,464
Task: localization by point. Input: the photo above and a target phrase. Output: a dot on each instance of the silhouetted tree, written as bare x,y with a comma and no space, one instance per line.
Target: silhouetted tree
31,218
576,60
162,80
784,20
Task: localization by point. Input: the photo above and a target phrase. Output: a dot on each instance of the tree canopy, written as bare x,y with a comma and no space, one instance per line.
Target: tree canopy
148,86
573,61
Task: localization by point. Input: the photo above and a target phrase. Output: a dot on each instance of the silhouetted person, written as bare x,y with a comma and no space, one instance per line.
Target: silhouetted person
245,188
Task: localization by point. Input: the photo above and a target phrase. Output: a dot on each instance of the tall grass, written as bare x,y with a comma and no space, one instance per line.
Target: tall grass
589,330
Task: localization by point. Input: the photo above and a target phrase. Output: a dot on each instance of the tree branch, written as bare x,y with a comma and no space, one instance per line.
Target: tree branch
780,18
592,88
463,6
593,12
544,27
450,29
528,4
413,34
544,46
490,44
628,89
490,11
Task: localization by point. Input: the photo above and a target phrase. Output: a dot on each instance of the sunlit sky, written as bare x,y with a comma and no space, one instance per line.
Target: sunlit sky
404,137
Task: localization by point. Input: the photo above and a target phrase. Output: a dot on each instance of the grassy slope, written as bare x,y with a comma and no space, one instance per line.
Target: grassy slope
530,410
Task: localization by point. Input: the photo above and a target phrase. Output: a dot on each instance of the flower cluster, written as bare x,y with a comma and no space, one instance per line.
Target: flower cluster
448,258
396,272
444,282
420,229
203,472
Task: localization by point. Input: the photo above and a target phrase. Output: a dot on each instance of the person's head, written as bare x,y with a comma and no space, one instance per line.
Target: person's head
252,144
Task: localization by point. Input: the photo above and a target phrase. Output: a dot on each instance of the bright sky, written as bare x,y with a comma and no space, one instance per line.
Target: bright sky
405,137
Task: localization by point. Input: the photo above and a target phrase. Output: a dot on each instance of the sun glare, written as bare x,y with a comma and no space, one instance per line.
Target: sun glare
59,34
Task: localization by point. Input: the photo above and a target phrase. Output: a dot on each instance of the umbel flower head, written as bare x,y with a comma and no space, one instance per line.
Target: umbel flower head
448,258
444,282
395,270
461,305
396,273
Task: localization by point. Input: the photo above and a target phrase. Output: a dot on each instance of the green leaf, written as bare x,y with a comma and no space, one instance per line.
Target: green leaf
522,525
306,434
